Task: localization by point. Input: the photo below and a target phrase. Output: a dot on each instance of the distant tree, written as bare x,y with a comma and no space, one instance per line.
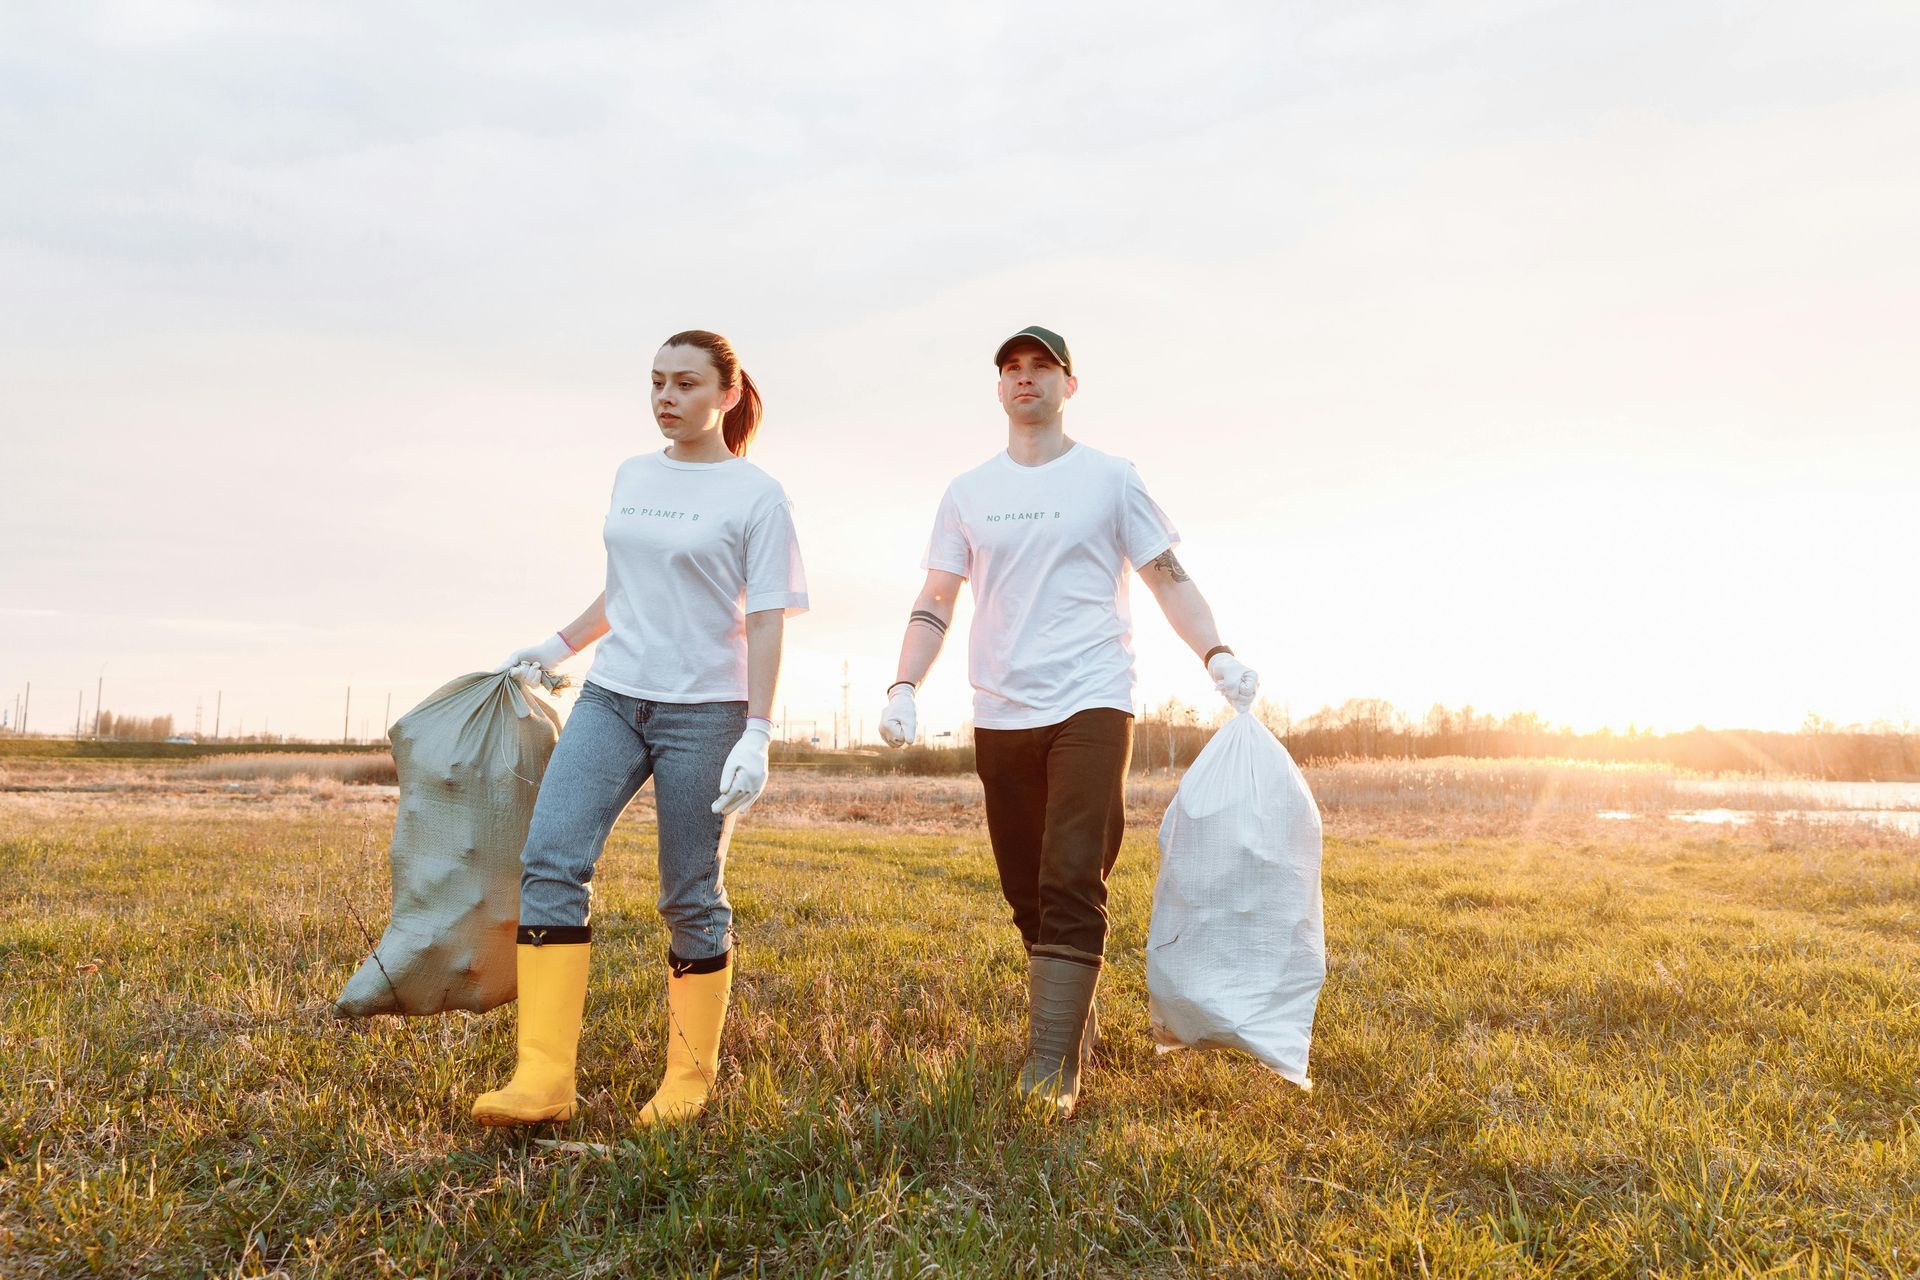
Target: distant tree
1276,716
135,728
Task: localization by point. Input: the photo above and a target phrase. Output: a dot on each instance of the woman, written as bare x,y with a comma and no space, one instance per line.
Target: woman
702,569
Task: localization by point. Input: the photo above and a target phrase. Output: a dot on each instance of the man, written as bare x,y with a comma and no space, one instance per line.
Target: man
1047,532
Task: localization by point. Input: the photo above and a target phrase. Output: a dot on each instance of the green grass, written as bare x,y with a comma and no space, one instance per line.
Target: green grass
1535,1057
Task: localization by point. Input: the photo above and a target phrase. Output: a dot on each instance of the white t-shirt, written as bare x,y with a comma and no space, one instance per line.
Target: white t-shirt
692,549
1048,550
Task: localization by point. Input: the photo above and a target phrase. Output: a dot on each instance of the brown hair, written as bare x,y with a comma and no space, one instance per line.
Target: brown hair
738,427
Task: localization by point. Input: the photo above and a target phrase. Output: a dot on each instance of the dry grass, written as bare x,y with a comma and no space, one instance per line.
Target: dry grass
318,773
1406,798
1449,795
366,769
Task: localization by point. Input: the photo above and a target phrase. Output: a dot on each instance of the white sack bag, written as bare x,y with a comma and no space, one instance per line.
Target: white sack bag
1236,952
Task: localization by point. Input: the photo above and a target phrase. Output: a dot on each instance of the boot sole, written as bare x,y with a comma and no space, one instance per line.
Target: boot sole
509,1120
645,1121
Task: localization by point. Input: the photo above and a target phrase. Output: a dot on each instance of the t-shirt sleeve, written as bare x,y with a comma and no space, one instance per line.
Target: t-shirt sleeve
775,577
1145,530
948,549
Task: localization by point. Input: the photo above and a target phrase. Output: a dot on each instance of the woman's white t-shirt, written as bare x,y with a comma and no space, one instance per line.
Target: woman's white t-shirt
692,549
1048,550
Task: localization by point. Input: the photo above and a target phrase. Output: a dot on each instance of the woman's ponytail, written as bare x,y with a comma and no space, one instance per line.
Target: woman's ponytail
743,420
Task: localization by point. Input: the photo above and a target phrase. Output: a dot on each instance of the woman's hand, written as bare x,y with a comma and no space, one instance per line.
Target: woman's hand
744,776
525,665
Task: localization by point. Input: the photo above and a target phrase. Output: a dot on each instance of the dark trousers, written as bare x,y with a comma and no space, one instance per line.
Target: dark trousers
1056,809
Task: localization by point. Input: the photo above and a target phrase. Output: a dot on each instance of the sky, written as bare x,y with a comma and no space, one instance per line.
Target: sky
1523,355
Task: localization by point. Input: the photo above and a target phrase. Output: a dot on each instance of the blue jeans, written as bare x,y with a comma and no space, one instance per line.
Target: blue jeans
611,745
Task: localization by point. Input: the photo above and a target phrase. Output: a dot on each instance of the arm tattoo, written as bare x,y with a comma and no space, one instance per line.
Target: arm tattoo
927,618
1165,560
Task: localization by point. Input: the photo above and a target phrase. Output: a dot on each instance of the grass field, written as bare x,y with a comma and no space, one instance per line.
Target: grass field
1549,1045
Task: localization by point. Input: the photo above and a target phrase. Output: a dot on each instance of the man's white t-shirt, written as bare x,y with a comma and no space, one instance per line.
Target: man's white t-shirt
1048,550
692,549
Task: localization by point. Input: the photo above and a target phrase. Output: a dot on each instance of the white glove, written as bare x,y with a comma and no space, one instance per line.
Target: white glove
1235,680
744,776
898,723
525,665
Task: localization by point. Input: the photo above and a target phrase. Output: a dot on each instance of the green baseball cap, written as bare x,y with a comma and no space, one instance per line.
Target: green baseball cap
1055,344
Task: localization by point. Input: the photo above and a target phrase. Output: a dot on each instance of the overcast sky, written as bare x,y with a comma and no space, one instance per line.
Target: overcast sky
1528,355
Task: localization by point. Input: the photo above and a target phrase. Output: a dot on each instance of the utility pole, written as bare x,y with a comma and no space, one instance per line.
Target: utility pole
219,696
346,718
98,686
846,715
26,707
386,717
199,712
79,711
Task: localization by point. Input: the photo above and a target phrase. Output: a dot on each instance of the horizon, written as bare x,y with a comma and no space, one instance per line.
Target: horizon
369,731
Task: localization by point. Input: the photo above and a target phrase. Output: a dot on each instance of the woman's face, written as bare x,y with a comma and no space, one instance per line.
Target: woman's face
688,400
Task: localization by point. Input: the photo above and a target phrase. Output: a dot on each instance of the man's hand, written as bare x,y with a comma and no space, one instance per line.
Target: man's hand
744,776
526,665
1237,682
899,723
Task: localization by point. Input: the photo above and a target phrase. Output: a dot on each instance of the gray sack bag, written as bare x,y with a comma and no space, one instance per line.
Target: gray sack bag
470,760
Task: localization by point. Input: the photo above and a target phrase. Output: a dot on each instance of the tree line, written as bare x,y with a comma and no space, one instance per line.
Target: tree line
1364,728
1172,734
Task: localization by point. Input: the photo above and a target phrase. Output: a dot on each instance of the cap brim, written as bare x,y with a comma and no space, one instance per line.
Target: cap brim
1000,356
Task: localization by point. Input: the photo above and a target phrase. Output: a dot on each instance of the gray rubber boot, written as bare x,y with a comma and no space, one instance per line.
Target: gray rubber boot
1060,996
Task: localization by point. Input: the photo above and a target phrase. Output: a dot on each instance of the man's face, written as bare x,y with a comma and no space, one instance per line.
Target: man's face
1033,386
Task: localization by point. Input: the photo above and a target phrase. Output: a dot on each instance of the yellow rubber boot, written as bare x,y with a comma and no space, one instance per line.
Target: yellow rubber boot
553,990
696,1011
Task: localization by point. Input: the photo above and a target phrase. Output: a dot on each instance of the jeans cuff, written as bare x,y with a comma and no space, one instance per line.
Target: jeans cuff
553,935
680,968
